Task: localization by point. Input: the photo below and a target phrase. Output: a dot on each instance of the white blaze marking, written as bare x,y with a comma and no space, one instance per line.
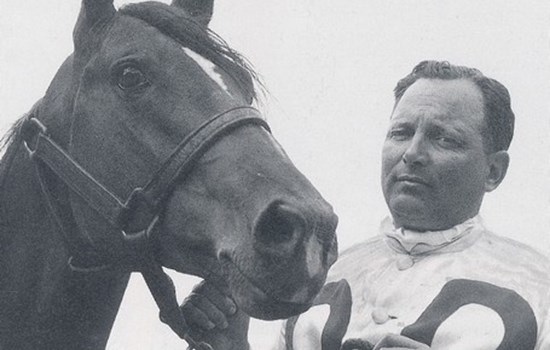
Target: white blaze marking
314,251
208,67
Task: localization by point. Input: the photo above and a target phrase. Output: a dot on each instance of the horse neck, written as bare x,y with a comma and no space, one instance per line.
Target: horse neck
45,305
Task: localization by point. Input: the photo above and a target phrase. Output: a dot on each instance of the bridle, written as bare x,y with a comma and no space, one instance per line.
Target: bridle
134,218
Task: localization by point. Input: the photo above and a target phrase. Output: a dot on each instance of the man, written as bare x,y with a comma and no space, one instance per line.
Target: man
435,277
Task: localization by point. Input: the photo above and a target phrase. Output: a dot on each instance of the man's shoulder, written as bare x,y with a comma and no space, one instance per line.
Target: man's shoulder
511,256
502,245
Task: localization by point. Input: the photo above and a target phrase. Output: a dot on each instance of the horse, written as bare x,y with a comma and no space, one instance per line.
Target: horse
146,153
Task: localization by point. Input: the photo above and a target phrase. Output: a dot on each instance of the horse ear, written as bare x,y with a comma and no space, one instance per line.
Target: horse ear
85,33
94,11
200,10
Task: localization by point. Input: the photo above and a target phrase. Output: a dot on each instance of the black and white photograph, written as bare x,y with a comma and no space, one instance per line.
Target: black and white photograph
275,175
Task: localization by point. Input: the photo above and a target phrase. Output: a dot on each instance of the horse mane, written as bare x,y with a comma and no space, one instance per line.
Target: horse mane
7,155
176,24
9,137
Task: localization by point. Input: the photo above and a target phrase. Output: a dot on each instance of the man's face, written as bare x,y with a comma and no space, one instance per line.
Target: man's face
434,167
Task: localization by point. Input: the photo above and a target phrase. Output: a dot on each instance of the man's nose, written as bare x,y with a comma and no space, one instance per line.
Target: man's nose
416,152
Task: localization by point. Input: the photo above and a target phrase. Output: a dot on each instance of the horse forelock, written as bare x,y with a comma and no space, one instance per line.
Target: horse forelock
176,24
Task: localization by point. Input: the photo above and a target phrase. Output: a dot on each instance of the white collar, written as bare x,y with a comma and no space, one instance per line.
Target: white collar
421,243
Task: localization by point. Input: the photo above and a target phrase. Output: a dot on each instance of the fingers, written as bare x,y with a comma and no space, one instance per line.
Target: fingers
200,312
399,342
206,307
218,297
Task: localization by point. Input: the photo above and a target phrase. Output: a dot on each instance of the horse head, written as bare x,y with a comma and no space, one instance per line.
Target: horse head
142,79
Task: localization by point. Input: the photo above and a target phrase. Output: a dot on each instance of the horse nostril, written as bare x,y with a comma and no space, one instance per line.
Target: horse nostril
279,224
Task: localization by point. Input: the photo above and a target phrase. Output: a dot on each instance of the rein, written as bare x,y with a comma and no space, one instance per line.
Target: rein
135,217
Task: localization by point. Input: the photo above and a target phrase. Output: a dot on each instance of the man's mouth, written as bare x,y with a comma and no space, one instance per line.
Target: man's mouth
412,179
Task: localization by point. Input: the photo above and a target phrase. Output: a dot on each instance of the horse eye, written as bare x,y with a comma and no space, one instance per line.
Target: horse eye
131,78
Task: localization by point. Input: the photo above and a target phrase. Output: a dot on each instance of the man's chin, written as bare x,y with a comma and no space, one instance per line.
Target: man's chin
410,211
408,205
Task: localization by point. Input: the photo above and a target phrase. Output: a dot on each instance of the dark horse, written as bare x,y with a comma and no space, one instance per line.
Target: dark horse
145,152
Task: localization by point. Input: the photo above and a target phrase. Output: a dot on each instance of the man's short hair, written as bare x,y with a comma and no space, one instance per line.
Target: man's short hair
498,115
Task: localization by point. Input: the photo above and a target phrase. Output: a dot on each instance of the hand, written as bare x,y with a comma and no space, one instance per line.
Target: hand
213,317
399,342
208,307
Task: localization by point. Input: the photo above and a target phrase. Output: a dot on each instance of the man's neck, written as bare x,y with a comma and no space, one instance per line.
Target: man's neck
415,242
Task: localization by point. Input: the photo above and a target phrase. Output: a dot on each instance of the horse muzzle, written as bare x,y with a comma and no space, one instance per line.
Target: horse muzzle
292,250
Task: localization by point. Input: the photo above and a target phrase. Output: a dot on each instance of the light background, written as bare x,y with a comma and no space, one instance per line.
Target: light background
330,67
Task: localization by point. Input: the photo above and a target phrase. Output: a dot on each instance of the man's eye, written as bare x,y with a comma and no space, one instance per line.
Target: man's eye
131,78
447,141
399,134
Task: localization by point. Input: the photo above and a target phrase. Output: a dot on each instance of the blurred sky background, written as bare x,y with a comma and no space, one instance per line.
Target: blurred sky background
330,67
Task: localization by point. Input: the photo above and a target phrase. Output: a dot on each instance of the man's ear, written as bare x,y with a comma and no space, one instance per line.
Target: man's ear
498,165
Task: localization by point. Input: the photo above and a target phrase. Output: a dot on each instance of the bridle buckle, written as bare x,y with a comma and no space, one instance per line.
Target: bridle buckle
139,213
30,131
